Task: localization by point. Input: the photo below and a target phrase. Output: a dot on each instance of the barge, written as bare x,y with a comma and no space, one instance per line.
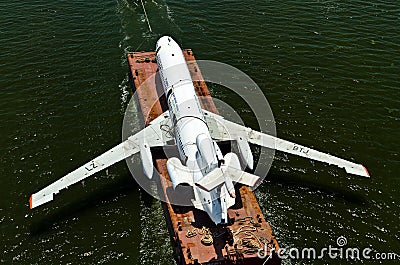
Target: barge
195,238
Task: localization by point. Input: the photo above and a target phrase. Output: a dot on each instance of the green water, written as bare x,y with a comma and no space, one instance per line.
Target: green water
330,70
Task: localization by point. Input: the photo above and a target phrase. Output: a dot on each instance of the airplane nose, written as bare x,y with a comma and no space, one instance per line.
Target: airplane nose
165,40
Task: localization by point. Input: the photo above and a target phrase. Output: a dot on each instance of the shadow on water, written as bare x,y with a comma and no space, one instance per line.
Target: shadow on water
314,183
42,223
147,199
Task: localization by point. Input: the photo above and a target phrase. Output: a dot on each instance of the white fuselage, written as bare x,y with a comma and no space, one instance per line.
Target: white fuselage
197,150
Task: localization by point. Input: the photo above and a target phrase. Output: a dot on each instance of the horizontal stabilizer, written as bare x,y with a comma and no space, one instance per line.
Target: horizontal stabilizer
212,180
218,176
241,176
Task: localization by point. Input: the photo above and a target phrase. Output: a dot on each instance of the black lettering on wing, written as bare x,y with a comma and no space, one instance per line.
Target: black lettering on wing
91,166
300,149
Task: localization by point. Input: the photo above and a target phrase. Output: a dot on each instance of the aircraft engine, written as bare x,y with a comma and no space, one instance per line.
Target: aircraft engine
245,152
147,160
207,152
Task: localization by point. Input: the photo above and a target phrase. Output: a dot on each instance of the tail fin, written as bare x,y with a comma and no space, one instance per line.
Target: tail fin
240,176
219,176
212,180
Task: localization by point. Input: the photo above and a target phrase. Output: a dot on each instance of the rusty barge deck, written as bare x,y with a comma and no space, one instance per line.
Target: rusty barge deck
191,229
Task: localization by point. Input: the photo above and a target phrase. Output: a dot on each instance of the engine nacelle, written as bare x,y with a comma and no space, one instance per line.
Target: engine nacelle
245,152
178,173
147,159
232,161
206,149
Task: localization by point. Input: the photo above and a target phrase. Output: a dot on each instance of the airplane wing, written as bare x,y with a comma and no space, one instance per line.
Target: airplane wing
221,129
154,135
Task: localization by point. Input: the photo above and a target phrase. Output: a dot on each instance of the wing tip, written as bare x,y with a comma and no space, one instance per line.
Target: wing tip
366,171
30,203
256,181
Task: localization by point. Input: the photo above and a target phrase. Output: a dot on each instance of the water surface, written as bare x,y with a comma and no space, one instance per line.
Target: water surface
328,68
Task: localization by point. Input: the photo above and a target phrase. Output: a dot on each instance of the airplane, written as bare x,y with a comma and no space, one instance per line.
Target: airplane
197,132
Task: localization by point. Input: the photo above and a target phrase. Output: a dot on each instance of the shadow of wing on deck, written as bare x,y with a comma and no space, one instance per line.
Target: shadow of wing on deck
181,196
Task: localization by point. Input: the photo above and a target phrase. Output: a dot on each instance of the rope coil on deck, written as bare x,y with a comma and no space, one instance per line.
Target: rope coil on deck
191,233
207,238
250,240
